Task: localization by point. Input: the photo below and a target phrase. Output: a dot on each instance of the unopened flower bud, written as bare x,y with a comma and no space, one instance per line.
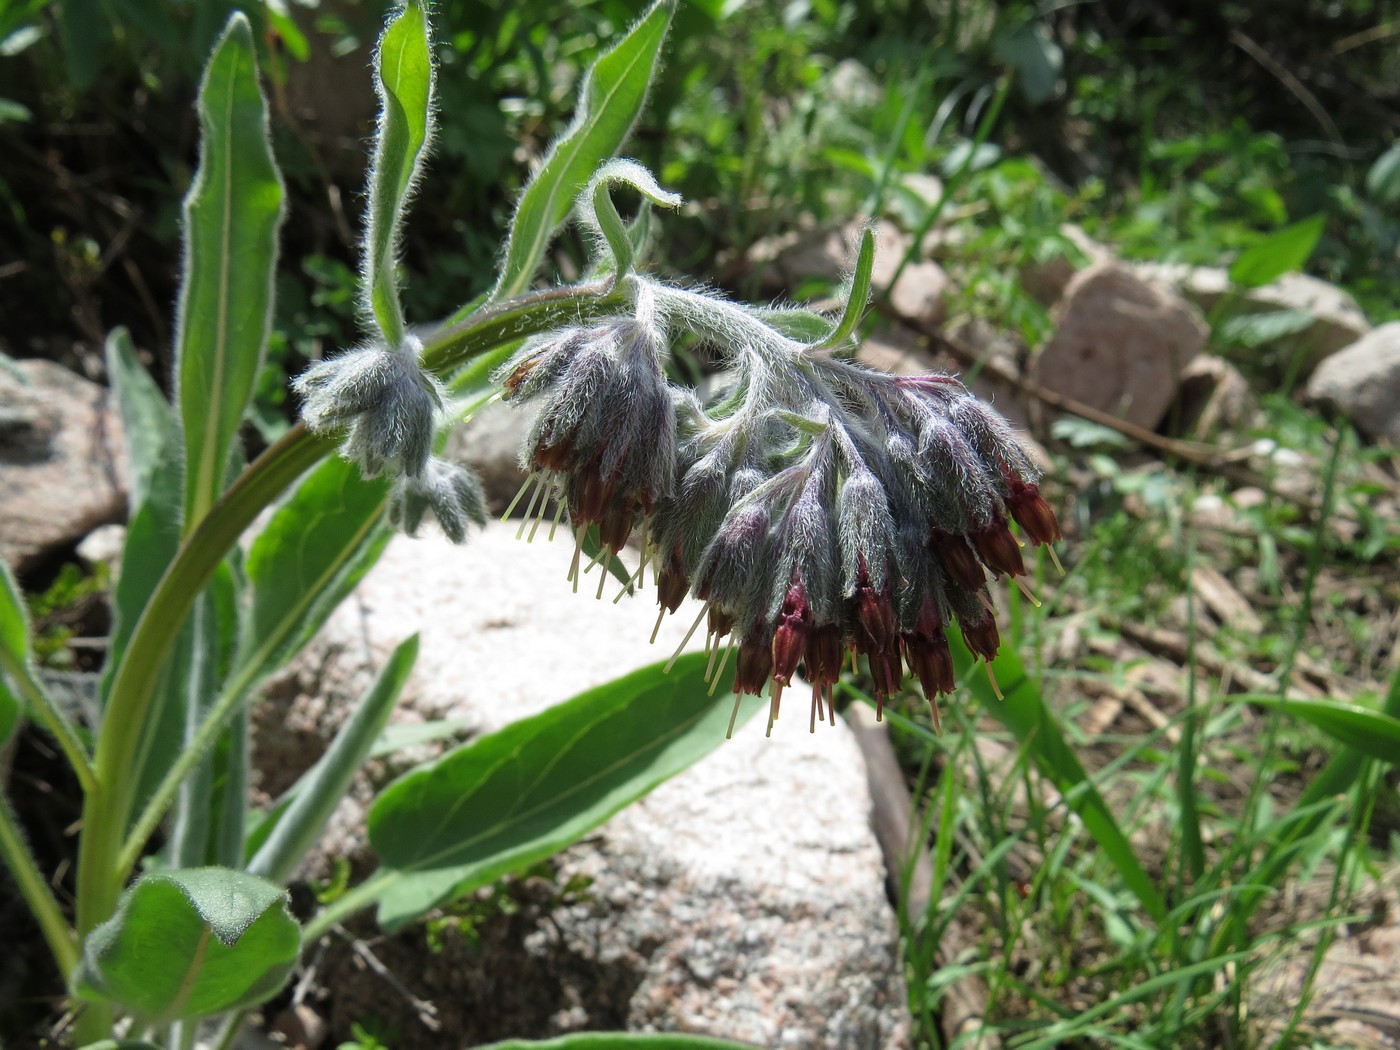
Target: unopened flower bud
794,625
387,405
998,548
451,492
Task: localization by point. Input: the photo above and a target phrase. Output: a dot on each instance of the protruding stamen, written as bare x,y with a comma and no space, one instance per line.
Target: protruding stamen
1025,589
719,671
816,709
714,652
544,505
602,579
733,717
704,610
1050,550
937,721
578,551
627,589
530,479
558,516
529,510
996,689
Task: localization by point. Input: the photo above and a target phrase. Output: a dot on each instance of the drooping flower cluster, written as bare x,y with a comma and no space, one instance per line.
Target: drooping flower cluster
819,508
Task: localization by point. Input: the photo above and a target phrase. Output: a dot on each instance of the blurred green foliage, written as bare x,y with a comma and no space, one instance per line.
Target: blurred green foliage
1183,131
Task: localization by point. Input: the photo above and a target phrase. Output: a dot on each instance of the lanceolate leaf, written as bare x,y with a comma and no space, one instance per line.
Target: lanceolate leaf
320,790
148,423
14,649
231,217
405,82
609,103
1283,251
1372,733
524,793
313,550
191,943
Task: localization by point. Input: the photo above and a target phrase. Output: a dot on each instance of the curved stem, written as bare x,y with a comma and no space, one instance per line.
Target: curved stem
103,863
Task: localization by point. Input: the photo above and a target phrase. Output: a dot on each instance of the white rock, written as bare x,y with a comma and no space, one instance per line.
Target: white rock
1363,382
742,899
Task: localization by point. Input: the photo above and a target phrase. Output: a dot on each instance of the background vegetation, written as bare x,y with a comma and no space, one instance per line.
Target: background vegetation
1171,131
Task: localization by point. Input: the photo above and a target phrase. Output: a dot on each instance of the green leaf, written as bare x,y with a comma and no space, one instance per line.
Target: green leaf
404,77
193,676
1283,251
622,1041
610,101
313,550
321,788
1372,733
524,793
14,648
148,423
858,296
86,34
231,216
1383,180
1255,330
1023,712
189,944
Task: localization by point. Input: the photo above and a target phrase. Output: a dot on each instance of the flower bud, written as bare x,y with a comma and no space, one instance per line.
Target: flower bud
386,403
451,492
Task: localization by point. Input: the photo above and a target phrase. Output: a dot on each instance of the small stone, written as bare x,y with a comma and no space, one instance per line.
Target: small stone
1120,345
1214,397
103,545
1363,383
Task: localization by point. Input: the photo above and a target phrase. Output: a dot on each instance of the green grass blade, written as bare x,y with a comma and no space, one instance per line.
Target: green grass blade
1024,713
320,790
404,78
1371,733
620,1041
538,785
610,101
231,216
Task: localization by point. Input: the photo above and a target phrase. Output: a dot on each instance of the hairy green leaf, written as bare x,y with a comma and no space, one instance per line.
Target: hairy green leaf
313,550
191,943
404,78
321,788
524,793
610,101
231,216
1283,251
14,648
148,423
